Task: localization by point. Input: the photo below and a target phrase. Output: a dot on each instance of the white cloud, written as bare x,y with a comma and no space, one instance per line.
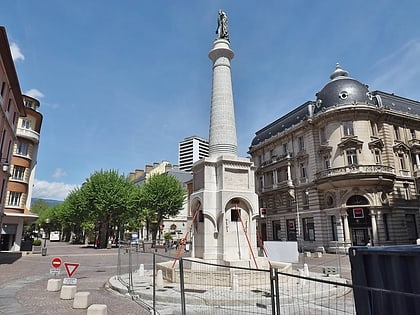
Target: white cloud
58,173
34,93
399,72
51,190
16,53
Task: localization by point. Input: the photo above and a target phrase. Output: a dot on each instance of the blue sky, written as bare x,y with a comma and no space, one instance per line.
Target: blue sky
122,82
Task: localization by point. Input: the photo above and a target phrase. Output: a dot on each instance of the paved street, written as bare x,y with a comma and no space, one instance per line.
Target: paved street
23,283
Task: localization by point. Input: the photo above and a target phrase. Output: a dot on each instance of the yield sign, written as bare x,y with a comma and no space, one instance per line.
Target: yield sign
56,262
71,268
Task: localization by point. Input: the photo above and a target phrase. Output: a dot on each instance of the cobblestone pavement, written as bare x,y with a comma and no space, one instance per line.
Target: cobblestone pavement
23,283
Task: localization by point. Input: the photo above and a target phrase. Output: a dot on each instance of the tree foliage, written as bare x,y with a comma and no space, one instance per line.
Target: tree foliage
108,200
163,195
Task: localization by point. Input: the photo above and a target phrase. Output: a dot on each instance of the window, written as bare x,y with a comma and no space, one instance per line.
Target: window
14,198
26,124
378,157
351,157
401,160
22,148
302,170
2,88
334,228
413,134
285,148
276,231
410,220
406,191
18,173
322,136
301,144
374,128
385,217
305,198
308,229
235,214
348,128
327,164
9,104
397,133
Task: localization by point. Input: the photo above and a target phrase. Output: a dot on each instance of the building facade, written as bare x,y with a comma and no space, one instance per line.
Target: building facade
190,150
11,107
342,170
22,171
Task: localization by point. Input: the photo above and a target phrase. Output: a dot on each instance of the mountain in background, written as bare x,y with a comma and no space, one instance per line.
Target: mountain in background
50,202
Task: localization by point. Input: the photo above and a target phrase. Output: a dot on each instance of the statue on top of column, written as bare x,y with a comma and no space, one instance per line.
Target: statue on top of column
222,26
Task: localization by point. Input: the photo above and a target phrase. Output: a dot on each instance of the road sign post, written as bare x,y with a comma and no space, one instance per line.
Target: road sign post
56,262
71,268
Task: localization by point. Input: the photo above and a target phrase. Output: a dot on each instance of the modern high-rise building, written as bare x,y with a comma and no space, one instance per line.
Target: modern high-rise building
341,170
11,108
190,150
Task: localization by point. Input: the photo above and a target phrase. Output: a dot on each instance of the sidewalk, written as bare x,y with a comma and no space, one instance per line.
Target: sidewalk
292,290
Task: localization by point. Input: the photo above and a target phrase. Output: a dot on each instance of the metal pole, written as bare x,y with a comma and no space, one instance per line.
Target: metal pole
154,283
298,219
181,285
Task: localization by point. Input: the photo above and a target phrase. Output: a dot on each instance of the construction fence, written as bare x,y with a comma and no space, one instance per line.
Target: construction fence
164,285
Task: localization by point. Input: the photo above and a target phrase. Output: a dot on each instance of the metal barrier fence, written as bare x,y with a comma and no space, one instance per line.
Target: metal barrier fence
163,285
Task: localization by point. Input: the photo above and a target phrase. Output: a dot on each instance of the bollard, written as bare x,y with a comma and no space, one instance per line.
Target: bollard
81,300
68,292
306,270
97,309
54,285
141,270
159,280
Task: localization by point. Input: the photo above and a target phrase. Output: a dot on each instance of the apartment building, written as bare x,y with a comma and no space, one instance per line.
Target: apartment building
190,150
11,107
22,171
341,170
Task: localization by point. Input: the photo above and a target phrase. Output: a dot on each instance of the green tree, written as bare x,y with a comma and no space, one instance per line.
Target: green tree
164,195
109,199
39,206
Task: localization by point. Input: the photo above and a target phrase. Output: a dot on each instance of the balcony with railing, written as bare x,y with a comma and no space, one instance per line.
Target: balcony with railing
356,175
276,159
28,134
280,185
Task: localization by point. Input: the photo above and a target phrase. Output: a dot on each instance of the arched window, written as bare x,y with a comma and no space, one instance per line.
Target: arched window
357,200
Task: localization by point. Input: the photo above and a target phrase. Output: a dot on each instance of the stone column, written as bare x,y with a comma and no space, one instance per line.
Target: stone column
374,228
339,230
289,171
347,237
222,117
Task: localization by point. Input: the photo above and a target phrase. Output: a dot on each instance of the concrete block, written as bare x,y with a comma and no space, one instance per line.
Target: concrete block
318,255
54,285
82,300
97,309
307,254
68,292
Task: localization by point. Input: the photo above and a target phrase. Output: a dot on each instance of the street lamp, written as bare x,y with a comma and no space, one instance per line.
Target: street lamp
44,249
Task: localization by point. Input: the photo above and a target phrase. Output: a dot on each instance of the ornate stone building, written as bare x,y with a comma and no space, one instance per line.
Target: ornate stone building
341,170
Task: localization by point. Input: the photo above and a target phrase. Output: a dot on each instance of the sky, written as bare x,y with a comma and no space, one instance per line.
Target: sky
121,83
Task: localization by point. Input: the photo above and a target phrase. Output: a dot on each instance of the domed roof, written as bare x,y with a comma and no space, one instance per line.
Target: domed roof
342,90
